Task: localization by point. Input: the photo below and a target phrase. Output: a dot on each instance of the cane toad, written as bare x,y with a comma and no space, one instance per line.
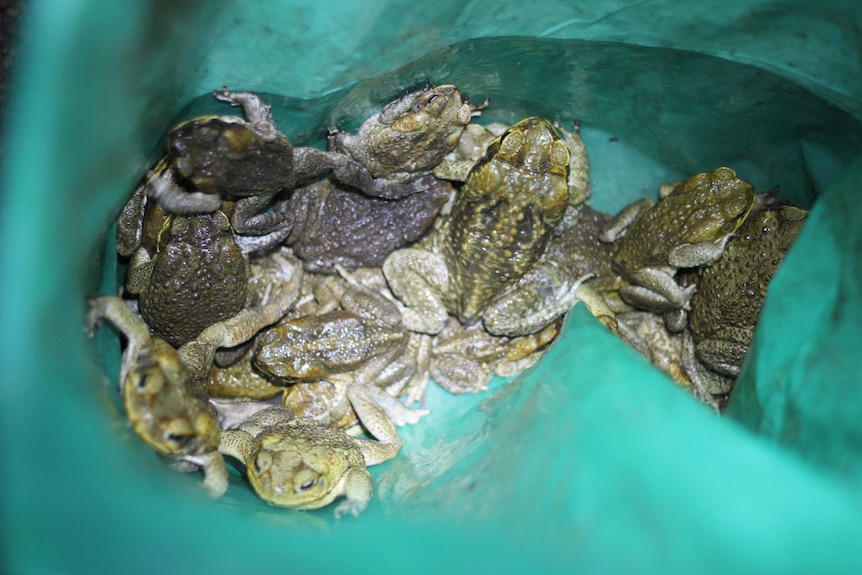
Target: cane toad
195,276
300,464
164,406
337,225
500,225
410,135
730,294
687,228
359,342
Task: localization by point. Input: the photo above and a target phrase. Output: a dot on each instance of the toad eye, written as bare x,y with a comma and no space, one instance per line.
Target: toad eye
146,377
151,382
512,140
262,462
179,432
419,105
179,441
307,479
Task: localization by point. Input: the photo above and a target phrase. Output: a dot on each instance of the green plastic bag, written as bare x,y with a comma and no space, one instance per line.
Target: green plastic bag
593,461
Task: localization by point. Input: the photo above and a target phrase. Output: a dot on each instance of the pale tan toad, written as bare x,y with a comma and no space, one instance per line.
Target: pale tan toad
410,135
305,465
163,404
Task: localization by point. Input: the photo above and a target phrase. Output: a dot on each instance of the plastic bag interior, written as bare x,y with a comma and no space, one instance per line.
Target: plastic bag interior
593,460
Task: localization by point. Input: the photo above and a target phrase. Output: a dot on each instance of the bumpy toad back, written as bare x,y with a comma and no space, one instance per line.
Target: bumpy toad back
503,219
338,225
500,225
197,277
304,465
731,292
706,207
687,228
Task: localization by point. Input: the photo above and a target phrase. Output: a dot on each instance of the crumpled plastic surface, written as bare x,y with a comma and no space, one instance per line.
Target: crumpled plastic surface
591,462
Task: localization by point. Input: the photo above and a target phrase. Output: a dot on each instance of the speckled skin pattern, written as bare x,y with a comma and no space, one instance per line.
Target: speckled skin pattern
409,136
730,292
220,155
577,248
312,347
335,224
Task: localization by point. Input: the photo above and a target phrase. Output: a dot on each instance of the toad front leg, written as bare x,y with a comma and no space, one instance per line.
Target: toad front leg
378,424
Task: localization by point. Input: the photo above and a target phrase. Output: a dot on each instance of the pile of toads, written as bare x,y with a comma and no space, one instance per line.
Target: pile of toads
286,306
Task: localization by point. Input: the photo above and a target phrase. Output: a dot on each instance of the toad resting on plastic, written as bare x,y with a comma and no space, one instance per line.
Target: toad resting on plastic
305,465
164,406
163,389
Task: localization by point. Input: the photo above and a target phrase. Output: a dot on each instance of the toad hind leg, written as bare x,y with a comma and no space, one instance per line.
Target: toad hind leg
417,278
663,294
543,294
130,325
378,424
255,110
215,472
358,490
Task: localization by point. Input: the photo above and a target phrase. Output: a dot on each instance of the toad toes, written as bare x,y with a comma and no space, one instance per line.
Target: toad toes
303,465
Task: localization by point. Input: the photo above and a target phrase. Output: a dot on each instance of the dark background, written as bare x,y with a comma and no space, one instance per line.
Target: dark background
9,12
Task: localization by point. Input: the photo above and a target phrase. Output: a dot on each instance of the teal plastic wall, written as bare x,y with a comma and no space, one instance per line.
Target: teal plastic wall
592,462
